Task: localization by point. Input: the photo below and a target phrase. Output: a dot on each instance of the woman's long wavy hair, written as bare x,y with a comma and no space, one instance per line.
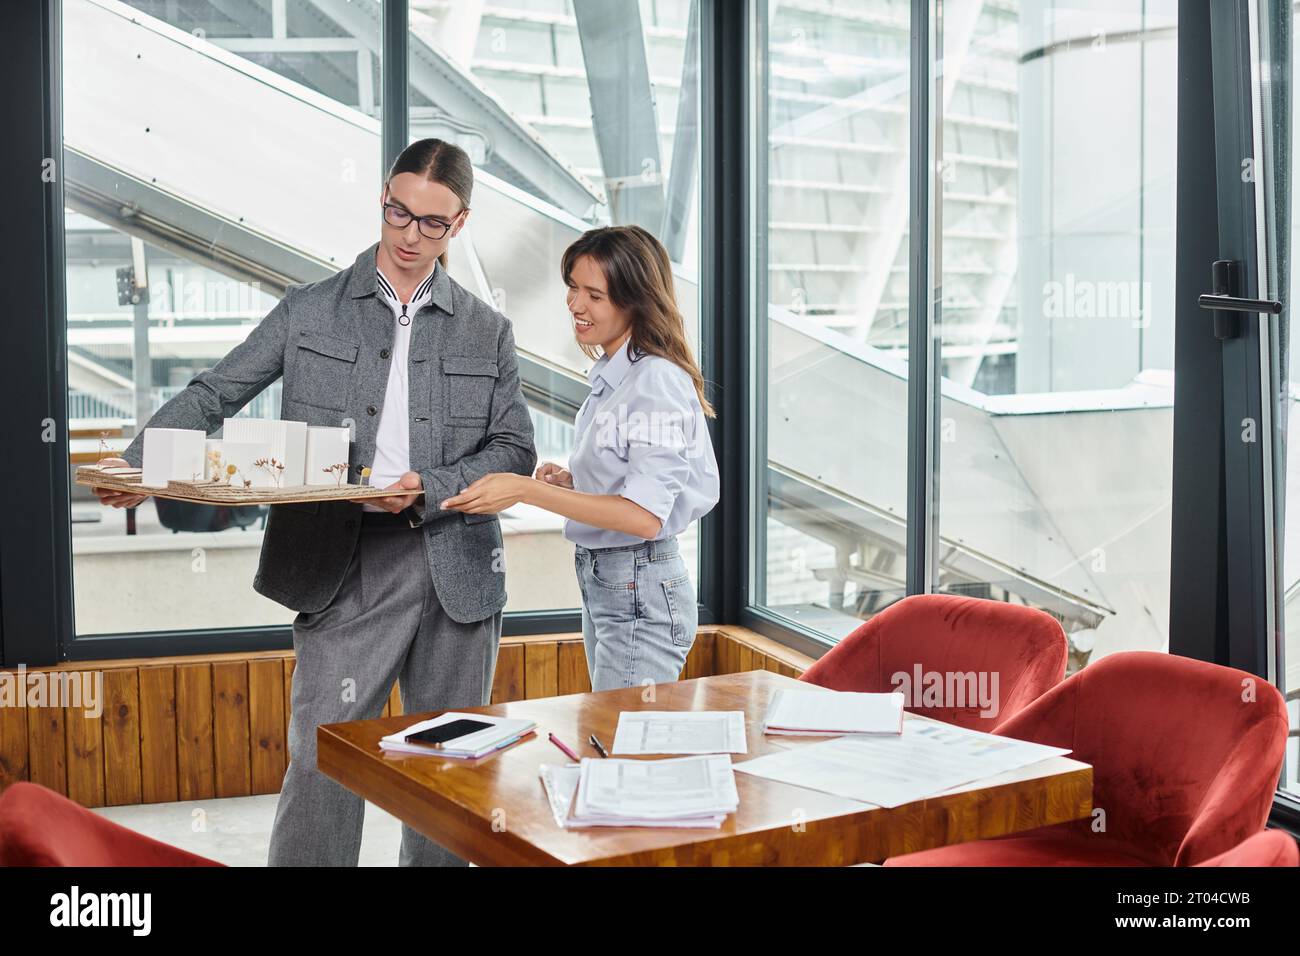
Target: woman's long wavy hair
639,280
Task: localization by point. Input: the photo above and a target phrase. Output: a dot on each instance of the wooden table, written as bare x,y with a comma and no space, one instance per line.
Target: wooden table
493,811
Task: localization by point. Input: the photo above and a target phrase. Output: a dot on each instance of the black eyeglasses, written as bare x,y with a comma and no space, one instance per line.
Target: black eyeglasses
429,227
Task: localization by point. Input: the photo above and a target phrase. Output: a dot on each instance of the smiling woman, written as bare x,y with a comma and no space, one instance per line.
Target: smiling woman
633,484
606,97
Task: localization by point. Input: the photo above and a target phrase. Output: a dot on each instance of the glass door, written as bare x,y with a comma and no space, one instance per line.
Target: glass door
1055,250
1247,298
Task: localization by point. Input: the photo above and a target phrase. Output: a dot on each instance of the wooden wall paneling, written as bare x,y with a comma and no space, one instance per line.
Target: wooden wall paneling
122,740
743,655
13,739
724,656
47,758
266,725
508,682
194,747
699,662
770,650
230,736
541,669
573,677
158,735
193,728
84,736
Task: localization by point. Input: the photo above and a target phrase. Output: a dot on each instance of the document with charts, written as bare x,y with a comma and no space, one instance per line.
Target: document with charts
929,757
680,732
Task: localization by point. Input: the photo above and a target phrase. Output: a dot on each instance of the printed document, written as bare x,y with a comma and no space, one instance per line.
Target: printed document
927,758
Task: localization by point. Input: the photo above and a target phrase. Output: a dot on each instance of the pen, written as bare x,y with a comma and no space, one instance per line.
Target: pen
559,743
600,748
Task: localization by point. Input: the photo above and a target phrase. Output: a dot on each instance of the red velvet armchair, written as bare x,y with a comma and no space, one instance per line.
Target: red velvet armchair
39,827
943,634
1185,756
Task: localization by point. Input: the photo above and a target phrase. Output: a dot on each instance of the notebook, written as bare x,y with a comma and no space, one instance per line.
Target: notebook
502,733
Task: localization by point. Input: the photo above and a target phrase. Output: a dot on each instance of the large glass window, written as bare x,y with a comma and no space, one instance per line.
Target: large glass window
1054,127
575,118
214,153
217,152
1057,315
832,287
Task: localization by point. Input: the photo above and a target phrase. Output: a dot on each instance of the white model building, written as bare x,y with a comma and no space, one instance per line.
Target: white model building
287,441
326,446
172,454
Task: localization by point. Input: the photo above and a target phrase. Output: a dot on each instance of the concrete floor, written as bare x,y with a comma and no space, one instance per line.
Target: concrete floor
237,830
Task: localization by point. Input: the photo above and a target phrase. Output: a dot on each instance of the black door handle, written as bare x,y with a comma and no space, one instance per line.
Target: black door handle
1224,304
1230,303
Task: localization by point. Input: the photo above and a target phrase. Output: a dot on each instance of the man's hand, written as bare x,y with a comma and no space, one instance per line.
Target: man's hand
490,494
111,496
398,502
553,474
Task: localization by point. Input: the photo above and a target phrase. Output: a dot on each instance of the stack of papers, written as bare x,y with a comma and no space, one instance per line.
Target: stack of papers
503,732
680,792
929,757
680,732
827,713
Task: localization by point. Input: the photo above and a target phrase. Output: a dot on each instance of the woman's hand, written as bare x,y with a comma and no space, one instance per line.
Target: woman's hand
111,496
553,474
490,495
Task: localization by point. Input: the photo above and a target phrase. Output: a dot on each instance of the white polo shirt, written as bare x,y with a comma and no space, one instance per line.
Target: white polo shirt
393,439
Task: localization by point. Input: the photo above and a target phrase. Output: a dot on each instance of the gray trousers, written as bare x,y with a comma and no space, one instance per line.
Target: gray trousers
385,624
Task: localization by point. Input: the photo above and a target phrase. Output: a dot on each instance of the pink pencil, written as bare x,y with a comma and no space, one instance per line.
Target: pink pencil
559,743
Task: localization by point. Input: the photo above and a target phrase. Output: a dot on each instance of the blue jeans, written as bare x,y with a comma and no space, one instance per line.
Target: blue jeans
638,613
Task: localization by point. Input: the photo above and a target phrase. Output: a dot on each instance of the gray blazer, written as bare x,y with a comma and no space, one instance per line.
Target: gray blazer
331,341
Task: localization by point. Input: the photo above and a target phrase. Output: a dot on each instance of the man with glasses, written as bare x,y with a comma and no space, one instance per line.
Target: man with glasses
394,588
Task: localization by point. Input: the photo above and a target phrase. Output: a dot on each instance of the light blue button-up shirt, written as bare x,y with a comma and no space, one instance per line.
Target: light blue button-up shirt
641,434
